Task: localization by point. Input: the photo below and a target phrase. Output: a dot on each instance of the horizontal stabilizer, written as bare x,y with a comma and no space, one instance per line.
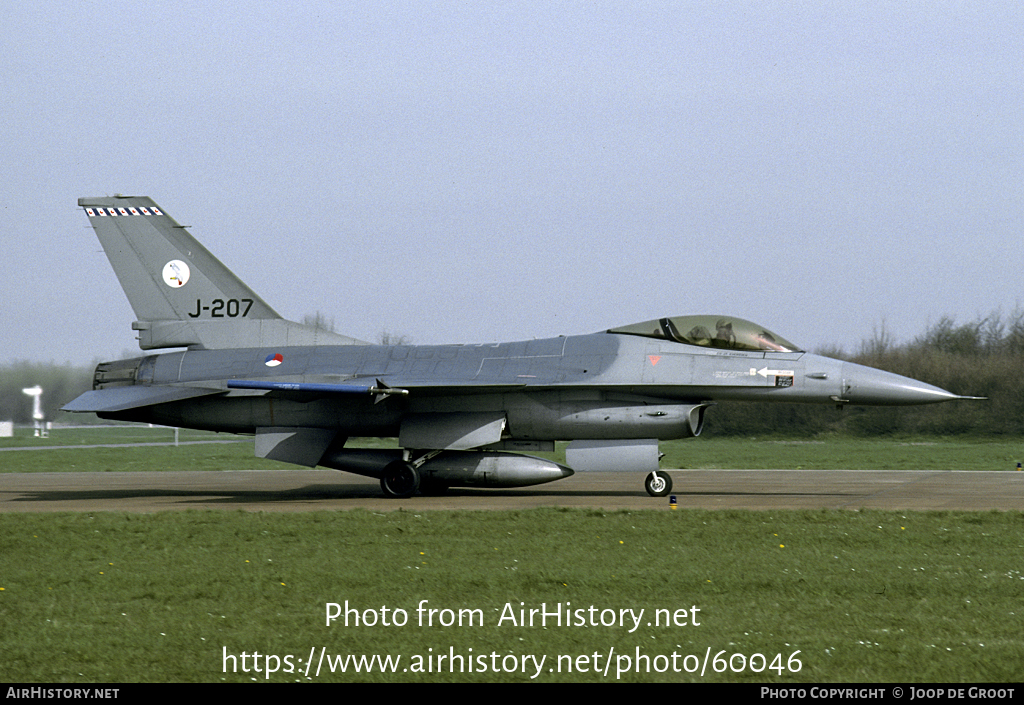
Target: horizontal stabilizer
121,398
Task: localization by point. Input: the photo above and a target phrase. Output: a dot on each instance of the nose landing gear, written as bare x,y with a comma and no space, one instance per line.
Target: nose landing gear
658,483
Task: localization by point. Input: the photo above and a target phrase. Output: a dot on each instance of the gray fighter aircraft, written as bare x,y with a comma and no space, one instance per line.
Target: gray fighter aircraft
459,411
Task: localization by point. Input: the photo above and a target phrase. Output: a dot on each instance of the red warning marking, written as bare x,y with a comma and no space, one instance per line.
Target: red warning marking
654,359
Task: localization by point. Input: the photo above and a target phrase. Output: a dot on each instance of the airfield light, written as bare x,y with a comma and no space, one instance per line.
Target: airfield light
36,393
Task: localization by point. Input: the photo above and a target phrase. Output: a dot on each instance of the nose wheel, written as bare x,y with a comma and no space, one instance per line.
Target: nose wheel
658,483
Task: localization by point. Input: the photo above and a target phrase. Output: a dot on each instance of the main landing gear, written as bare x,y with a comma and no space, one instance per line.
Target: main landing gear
400,479
658,483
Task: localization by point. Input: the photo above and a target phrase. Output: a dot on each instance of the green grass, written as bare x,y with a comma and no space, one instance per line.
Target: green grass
827,453
863,596
843,453
104,434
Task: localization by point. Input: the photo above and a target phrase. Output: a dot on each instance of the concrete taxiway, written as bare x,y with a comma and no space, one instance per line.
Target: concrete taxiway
328,490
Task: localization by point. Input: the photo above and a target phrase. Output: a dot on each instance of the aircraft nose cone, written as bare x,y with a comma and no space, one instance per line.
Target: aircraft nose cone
866,385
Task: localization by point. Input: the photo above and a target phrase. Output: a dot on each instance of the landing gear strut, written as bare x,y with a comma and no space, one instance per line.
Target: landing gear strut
658,483
400,479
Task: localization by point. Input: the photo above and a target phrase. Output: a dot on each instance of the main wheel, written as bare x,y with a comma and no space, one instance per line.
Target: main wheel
658,484
400,479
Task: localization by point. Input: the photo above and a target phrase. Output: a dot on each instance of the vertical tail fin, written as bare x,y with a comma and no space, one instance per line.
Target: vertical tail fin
182,295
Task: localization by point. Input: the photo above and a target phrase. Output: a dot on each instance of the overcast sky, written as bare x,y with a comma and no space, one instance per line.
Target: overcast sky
485,171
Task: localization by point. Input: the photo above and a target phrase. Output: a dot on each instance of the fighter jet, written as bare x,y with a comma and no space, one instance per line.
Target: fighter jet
465,414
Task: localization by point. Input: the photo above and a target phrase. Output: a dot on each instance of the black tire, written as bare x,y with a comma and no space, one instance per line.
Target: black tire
400,480
658,484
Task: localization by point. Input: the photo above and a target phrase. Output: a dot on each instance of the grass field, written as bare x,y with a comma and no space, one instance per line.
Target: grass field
830,453
783,596
103,434
862,596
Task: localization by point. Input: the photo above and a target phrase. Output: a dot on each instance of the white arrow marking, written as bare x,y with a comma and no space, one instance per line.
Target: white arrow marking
764,372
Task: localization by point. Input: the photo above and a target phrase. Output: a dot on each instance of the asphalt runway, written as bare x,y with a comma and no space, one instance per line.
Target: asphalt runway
330,490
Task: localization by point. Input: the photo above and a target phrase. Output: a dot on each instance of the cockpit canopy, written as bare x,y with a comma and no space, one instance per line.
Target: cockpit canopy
711,332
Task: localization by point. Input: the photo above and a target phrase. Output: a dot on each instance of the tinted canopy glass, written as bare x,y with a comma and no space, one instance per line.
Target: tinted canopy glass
711,332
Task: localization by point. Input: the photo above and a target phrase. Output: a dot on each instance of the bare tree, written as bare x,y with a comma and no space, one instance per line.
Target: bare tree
320,321
388,338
